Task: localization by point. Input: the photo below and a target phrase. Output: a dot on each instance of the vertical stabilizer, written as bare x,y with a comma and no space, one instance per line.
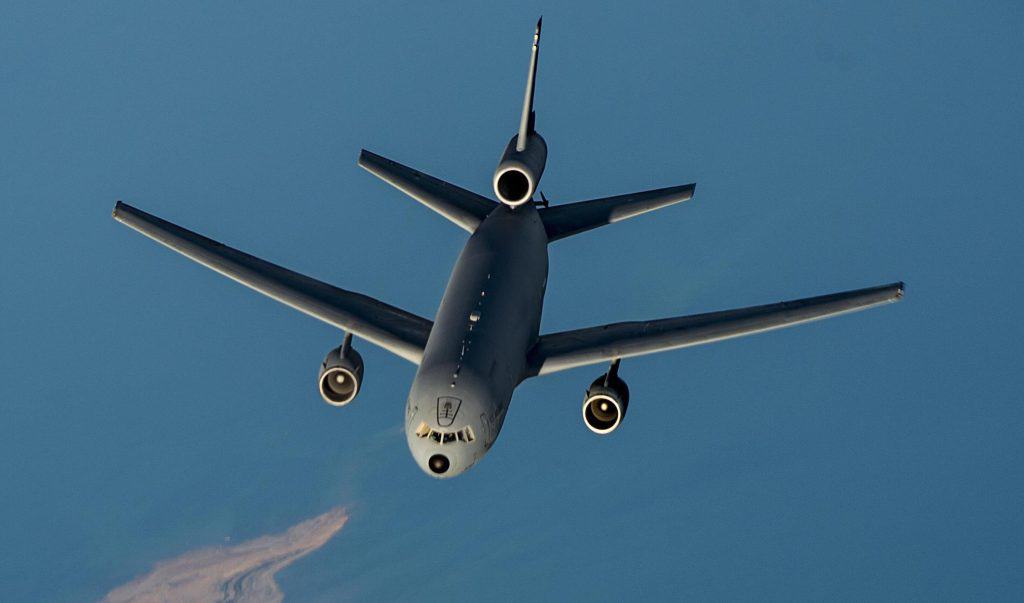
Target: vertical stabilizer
526,122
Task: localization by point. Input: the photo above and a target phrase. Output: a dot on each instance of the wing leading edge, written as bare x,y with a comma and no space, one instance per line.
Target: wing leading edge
391,328
569,349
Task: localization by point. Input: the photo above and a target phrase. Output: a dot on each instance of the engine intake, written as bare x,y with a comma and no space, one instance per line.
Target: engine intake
519,172
605,404
341,374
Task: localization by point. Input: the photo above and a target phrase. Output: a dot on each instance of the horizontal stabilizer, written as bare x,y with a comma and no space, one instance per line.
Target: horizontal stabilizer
569,349
465,208
561,221
395,330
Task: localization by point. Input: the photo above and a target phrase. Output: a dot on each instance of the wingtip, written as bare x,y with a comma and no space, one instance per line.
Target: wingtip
368,159
900,289
116,213
686,191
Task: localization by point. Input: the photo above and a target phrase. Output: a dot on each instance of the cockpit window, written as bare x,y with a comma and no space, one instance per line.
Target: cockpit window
445,437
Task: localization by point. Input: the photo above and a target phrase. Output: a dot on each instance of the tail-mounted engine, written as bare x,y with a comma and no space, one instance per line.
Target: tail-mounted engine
522,164
520,169
605,404
341,374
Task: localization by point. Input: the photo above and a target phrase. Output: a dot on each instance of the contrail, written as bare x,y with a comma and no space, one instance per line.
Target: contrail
243,572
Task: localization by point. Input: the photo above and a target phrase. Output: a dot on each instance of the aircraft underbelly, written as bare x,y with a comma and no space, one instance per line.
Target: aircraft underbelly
488,319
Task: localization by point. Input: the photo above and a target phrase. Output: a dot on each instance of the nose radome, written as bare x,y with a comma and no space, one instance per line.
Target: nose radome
439,464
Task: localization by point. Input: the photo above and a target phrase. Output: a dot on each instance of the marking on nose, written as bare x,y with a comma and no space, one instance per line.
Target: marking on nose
447,408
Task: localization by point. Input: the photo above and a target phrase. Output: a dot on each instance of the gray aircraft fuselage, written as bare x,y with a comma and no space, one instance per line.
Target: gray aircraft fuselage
476,354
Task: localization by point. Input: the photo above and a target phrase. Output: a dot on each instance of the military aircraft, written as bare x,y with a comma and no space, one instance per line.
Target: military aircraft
485,339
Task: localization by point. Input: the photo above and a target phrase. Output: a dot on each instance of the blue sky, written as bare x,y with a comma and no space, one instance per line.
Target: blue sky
152,407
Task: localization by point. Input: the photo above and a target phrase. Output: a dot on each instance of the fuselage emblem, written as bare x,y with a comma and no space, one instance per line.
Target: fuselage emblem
447,408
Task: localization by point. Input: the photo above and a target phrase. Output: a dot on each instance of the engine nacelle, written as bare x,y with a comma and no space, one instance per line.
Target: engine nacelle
605,404
519,172
341,374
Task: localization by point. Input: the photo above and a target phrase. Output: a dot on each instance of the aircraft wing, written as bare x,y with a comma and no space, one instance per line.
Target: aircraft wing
391,328
569,349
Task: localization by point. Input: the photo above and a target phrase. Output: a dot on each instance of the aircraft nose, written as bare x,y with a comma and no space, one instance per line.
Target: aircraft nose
439,464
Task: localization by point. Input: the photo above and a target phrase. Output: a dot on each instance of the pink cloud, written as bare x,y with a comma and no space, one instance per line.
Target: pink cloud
241,572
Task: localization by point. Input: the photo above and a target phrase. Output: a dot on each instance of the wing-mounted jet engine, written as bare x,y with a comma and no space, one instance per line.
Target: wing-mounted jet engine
606,401
522,163
341,374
